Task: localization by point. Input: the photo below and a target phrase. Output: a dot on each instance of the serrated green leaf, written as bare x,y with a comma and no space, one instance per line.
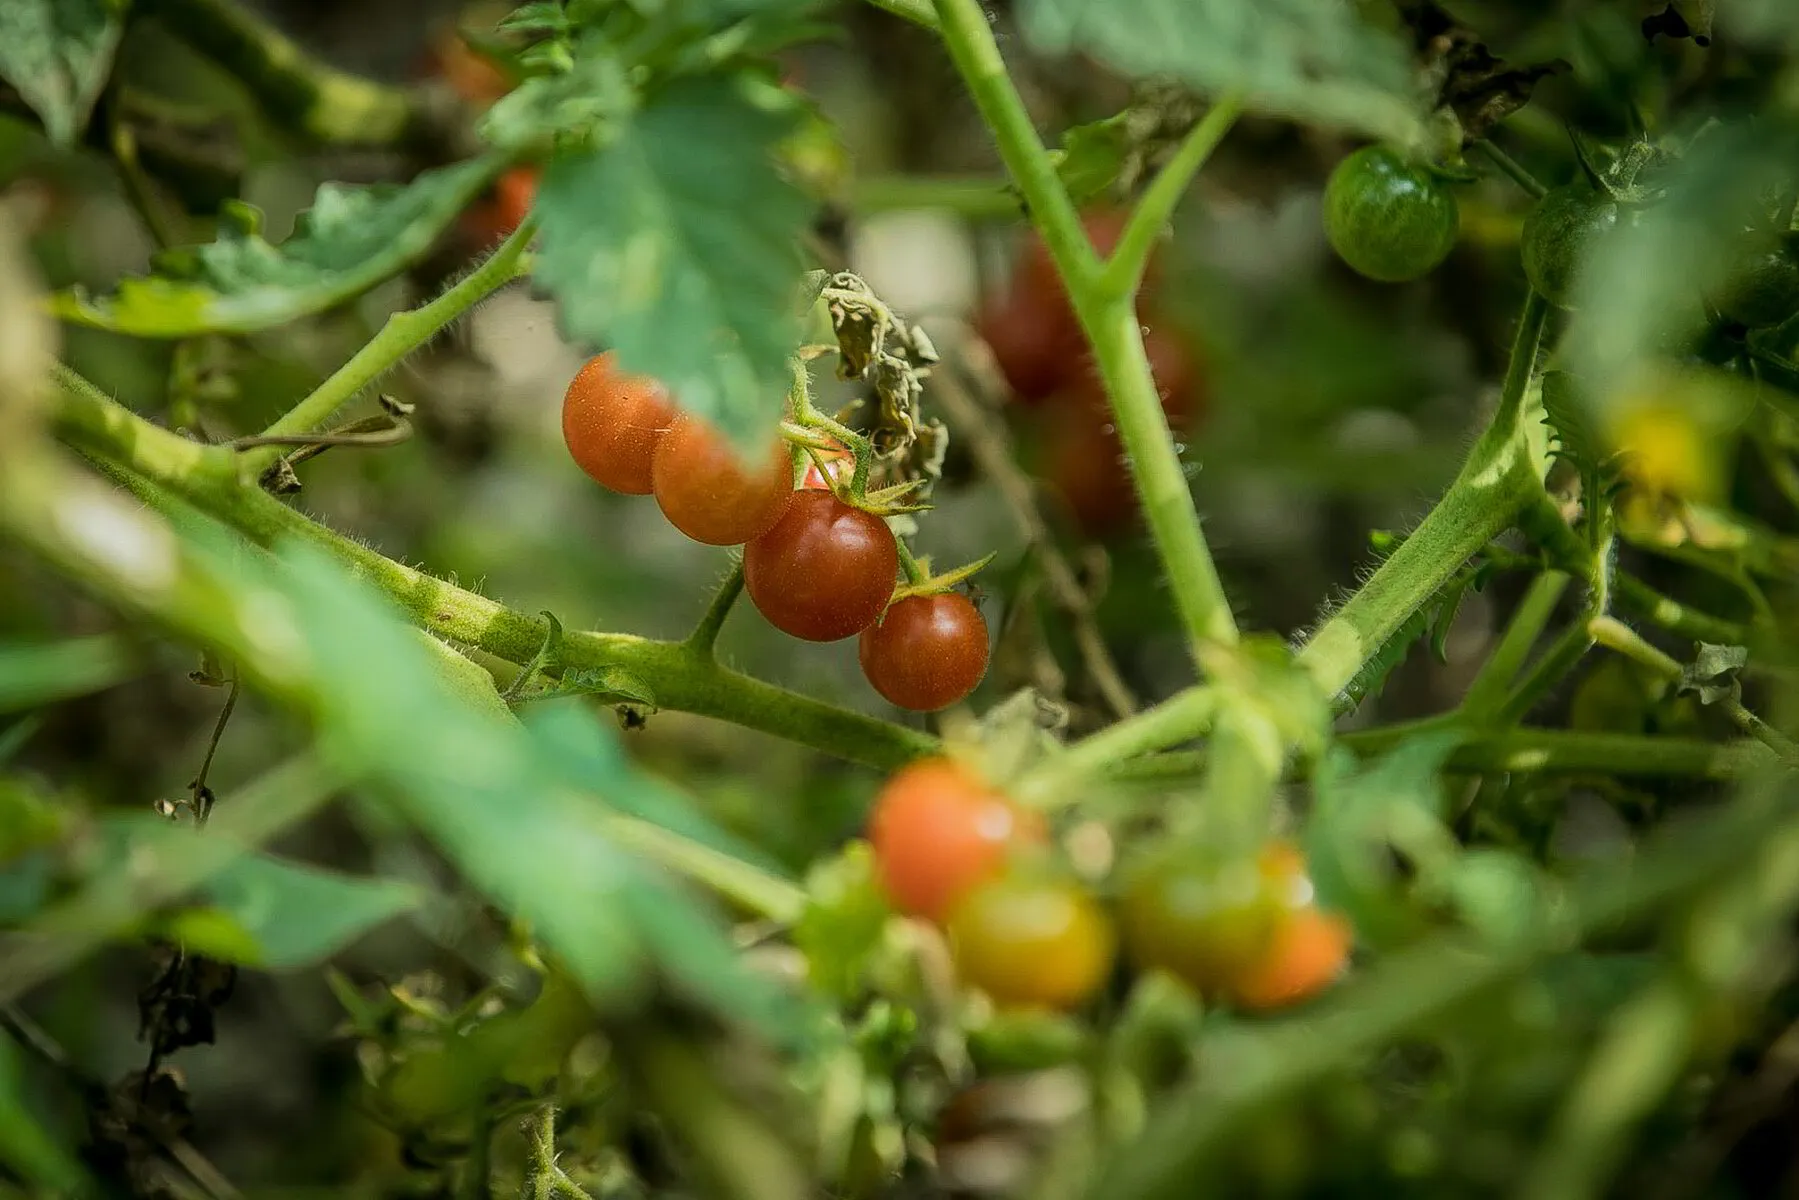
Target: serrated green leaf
1577,438
1092,155
1312,60
615,682
1712,675
676,246
581,102
296,915
353,237
31,675
58,53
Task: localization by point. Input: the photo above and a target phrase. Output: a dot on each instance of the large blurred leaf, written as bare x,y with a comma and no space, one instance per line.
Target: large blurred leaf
477,783
676,245
57,53
353,237
1641,293
580,102
296,915
34,674
1358,814
26,1148
1313,60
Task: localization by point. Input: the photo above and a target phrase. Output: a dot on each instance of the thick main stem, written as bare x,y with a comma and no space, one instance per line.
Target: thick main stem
1110,322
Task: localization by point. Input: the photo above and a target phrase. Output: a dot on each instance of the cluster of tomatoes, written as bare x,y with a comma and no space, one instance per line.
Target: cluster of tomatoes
814,564
1037,342
956,851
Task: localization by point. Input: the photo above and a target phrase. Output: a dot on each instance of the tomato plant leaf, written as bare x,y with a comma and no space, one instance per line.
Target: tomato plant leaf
478,783
27,1149
582,102
1313,60
353,237
676,246
296,915
58,53
43,673
1092,154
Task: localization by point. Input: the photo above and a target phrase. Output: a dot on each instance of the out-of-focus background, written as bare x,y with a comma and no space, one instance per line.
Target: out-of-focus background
1322,406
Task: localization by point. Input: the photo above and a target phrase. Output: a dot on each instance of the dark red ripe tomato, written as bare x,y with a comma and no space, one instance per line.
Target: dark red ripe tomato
1172,364
1034,339
709,493
824,571
926,652
612,422
939,831
1084,466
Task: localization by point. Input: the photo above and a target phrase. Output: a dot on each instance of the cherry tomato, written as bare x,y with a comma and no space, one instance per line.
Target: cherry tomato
1559,235
1035,340
1389,219
839,463
1308,953
926,652
1210,921
1031,329
1084,465
1032,942
709,493
938,831
612,423
472,75
1764,287
493,217
824,571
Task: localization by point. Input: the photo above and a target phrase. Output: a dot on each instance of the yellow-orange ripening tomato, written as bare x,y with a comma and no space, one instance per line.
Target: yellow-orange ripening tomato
1309,952
1032,942
711,494
1211,920
612,422
938,832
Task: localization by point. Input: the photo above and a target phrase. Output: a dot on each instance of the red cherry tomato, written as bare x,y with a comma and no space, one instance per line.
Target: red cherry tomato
709,493
1308,953
839,463
1211,921
1032,943
824,571
938,831
472,75
926,652
505,206
1084,466
612,423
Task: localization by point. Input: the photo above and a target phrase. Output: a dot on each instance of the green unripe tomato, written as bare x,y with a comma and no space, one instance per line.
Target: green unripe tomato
1389,219
1764,287
1559,235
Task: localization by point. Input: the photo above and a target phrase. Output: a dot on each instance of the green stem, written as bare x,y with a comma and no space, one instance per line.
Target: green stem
1563,655
1505,162
1516,751
206,477
704,638
919,12
307,97
1255,1070
757,891
403,333
1123,273
1675,617
1180,718
1110,323
1493,487
975,197
1527,623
